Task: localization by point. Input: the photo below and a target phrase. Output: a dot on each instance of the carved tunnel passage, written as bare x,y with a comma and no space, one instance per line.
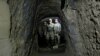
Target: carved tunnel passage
33,37
43,13
82,36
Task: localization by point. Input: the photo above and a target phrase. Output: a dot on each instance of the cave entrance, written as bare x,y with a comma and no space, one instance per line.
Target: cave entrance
50,35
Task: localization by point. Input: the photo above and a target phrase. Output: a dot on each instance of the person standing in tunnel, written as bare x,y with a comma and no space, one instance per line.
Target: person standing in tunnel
57,30
50,33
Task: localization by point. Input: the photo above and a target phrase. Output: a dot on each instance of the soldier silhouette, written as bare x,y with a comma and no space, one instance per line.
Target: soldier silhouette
50,33
57,30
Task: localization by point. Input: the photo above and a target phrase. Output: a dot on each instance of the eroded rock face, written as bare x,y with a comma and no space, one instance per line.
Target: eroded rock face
86,17
21,25
80,16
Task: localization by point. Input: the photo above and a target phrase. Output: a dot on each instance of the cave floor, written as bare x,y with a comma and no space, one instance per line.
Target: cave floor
50,54
60,51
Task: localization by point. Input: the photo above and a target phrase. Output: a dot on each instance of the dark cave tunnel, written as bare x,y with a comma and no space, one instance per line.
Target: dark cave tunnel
65,42
74,16
40,12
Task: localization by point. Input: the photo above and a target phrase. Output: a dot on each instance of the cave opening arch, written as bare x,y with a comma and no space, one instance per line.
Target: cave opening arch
45,11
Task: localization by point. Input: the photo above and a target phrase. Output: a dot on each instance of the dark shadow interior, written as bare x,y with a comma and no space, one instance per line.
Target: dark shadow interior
43,44
42,41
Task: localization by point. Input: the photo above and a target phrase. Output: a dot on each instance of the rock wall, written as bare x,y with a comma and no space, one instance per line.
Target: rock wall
85,15
21,25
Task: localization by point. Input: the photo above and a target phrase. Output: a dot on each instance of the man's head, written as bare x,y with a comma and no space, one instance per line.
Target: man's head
50,20
56,21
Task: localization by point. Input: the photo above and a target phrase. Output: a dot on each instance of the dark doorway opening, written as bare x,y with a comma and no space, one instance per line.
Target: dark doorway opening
49,41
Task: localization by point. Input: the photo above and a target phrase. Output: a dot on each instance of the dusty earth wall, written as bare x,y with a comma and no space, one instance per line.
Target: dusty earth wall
21,24
83,23
85,15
